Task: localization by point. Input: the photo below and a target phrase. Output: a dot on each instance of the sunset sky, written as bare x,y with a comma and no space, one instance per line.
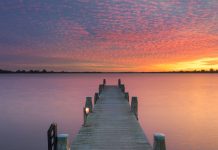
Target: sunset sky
109,35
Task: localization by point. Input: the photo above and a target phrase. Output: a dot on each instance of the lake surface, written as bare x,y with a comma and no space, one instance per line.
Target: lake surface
182,106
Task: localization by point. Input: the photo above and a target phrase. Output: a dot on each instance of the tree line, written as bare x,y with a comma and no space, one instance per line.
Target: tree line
45,71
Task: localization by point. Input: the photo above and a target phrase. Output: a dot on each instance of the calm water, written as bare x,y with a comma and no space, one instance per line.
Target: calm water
183,106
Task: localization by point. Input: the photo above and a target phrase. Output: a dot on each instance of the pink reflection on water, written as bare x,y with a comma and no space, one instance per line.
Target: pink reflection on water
182,106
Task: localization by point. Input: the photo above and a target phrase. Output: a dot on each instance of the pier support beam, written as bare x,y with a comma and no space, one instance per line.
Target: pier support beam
122,87
119,82
89,103
96,97
86,111
134,106
159,142
100,89
63,142
104,82
127,96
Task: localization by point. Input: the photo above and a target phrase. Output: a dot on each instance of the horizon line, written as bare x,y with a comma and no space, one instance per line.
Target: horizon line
45,71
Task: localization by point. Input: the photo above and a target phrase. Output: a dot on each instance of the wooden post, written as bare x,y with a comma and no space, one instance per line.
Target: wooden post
119,82
134,106
84,116
104,82
89,103
96,97
100,89
63,142
159,142
122,87
127,96
52,137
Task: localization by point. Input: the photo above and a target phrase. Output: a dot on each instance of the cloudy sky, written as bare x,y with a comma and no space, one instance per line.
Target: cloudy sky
109,35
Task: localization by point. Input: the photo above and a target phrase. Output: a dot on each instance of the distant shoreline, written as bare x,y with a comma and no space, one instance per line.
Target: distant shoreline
94,72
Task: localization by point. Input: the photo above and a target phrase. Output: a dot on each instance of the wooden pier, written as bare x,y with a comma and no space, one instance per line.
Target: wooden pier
112,123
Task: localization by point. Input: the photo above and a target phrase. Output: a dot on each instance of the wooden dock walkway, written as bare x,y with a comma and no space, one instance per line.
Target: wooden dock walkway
111,126
112,123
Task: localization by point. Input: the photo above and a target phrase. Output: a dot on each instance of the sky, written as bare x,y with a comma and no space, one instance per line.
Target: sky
109,35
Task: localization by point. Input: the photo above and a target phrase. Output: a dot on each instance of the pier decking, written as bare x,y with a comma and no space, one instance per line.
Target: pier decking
111,124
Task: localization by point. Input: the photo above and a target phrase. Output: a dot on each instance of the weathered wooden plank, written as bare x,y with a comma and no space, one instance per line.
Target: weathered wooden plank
112,125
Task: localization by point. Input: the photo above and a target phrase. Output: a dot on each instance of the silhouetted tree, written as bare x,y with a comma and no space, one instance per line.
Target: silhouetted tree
31,71
44,71
211,70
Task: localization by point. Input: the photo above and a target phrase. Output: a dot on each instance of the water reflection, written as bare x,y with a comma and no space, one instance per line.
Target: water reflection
183,106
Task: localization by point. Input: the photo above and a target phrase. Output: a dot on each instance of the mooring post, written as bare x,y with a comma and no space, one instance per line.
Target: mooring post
52,137
63,142
134,106
119,82
104,82
96,97
86,111
127,96
122,87
57,141
159,142
89,103
84,116
100,89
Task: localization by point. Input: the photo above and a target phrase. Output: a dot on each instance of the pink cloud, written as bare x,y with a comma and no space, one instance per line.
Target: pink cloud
70,29
132,34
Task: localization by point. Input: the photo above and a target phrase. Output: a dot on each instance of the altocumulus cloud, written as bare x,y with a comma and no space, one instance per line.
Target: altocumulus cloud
94,35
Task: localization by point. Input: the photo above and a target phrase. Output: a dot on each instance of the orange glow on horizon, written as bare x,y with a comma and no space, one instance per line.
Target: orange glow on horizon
199,64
